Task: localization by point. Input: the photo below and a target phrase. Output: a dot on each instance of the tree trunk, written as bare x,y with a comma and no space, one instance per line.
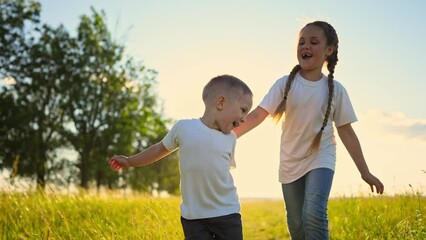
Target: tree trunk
84,171
41,171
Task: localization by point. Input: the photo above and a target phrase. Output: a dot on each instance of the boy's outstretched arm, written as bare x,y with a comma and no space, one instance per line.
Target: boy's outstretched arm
150,155
253,119
351,142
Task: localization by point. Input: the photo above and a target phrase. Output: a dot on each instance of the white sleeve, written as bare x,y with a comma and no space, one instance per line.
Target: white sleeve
344,112
171,140
274,97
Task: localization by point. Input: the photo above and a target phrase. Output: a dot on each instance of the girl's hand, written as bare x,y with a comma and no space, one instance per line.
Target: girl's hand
374,182
118,162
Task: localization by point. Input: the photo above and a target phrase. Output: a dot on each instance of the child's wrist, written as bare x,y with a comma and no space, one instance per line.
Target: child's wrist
129,162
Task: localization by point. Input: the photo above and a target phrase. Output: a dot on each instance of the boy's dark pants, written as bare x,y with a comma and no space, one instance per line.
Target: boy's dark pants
227,227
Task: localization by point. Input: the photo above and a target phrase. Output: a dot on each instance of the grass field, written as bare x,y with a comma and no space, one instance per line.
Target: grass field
115,216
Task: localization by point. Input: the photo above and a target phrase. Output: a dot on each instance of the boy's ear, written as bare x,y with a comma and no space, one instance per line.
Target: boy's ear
220,102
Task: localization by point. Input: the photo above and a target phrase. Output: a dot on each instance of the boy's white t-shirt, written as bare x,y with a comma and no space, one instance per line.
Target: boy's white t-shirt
205,156
305,111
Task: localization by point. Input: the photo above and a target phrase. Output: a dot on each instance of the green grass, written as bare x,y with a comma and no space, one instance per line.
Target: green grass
115,216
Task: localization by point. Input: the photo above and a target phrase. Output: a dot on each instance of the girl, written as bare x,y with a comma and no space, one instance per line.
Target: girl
311,102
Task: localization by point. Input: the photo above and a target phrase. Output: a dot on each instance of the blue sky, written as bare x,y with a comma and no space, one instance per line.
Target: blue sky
381,58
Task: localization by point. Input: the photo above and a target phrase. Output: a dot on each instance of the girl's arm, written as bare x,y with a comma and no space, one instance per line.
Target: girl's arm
253,119
351,142
147,156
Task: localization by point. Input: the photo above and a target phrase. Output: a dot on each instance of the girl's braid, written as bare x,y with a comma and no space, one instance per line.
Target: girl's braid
281,107
332,40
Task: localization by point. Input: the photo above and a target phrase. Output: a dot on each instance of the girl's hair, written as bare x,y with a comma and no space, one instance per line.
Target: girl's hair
332,40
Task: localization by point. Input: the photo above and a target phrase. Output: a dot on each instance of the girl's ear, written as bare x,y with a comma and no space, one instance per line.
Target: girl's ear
330,50
220,102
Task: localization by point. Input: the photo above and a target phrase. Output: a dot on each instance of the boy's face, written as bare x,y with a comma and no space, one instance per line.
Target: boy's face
233,111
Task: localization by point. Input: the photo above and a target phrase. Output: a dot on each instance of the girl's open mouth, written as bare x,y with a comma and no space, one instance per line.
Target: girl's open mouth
306,56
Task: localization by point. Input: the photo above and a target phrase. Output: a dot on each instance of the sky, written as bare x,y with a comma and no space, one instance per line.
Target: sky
381,58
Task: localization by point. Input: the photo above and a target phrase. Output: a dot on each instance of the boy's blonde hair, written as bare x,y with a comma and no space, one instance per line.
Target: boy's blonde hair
227,84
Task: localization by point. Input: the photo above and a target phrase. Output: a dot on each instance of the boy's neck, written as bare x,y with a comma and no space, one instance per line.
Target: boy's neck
208,121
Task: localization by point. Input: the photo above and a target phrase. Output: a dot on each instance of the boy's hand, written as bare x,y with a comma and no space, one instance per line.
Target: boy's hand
118,162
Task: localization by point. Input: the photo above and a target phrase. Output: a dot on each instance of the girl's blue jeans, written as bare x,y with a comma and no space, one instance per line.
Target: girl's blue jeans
306,202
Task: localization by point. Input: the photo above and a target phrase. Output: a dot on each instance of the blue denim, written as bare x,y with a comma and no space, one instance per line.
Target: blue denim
306,202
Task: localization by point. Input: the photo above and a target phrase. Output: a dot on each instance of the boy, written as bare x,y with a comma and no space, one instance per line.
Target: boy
210,206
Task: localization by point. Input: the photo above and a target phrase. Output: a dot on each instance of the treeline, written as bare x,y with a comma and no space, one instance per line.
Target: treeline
82,93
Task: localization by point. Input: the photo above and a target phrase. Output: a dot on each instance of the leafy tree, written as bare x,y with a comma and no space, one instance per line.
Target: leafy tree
32,110
18,18
76,92
14,17
111,102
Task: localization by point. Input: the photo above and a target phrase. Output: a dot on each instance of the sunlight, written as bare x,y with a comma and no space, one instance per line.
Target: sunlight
8,81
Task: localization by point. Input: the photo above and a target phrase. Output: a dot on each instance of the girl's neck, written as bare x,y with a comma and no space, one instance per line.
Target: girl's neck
311,75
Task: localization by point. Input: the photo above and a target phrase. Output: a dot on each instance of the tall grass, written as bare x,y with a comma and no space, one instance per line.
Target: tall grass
115,216
399,217
41,216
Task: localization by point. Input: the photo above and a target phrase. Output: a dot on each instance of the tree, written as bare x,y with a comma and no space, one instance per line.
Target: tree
17,19
111,103
36,61
14,17
74,92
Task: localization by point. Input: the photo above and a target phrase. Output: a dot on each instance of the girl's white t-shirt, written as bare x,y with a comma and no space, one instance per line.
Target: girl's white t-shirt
305,111
205,158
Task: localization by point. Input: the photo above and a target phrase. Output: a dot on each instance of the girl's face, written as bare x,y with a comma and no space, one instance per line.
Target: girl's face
312,52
